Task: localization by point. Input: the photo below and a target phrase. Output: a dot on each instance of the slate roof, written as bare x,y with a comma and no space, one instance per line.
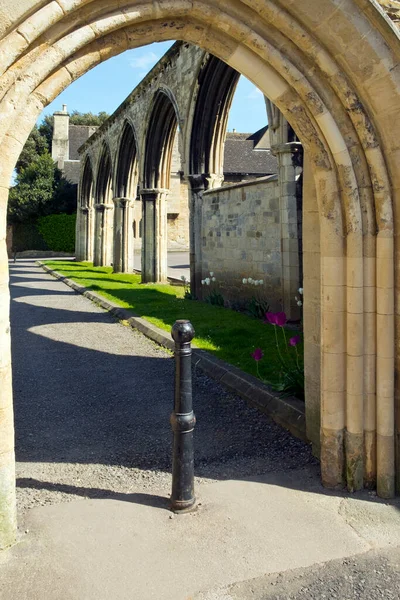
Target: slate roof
241,156
78,134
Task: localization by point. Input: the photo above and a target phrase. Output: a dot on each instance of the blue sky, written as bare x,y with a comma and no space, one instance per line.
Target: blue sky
108,84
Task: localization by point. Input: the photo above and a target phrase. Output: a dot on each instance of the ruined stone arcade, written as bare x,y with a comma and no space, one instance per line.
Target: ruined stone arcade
332,69
169,131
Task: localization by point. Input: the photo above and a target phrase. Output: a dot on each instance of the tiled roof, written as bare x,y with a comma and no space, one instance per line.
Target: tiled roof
78,134
241,156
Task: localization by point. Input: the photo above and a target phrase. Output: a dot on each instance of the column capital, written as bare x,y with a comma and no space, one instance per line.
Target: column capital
288,148
123,202
103,207
152,193
86,209
198,182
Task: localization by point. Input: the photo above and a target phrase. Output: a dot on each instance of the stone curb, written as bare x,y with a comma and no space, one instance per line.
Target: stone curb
287,412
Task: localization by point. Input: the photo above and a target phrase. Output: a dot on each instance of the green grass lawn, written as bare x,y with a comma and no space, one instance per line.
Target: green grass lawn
227,334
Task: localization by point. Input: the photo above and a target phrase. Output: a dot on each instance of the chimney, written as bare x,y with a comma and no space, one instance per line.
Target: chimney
60,141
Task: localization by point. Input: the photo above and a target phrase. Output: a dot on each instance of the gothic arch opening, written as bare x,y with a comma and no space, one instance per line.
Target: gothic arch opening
217,83
330,85
124,202
86,189
126,179
85,215
162,138
103,246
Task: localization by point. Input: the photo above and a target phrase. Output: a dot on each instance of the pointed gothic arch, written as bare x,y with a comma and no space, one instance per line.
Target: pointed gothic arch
217,83
126,175
160,135
331,68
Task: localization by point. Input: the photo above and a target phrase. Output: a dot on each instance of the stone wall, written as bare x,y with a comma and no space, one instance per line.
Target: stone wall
241,238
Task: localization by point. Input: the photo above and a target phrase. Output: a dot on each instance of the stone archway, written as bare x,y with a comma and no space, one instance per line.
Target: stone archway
125,186
103,241
332,69
156,171
85,214
217,83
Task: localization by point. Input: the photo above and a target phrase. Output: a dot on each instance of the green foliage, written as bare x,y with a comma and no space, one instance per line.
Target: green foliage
27,237
40,189
35,146
223,332
34,190
46,129
58,232
215,298
257,307
289,378
77,118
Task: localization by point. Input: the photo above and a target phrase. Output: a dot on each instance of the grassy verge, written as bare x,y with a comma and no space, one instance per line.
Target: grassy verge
228,335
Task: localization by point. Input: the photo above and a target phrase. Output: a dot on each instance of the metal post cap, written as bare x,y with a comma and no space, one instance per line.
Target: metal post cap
182,331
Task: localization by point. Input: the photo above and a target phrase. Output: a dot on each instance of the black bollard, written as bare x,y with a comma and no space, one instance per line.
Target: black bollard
183,421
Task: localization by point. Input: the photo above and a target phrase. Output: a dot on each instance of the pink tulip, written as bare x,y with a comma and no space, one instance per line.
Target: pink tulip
294,340
257,354
278,318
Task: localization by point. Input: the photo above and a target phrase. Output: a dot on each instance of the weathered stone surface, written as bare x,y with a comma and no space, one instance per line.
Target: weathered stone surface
322,56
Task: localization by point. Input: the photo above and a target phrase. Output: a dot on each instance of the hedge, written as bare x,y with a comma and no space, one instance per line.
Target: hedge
26,236
58,232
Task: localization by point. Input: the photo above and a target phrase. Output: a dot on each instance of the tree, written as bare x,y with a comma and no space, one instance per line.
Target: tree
40,187
34,192
76,118
35,146
88,118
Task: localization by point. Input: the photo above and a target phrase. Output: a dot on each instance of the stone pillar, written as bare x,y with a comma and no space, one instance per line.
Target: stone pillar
312,307
103,239
84,234
80,233
198,185
123,235
154,240
90,220
289,166
214,180
8,511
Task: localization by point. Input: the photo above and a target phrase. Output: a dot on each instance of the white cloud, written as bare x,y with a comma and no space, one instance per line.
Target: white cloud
254,94
146,61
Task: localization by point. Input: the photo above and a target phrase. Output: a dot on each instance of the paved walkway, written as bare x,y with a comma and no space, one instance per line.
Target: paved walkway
178,264
92,404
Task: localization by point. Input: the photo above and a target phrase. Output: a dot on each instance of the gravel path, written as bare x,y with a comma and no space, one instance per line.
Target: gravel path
374,575
93,399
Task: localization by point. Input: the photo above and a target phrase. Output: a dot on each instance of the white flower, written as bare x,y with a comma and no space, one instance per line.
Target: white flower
299,303
296,298
250,280
256,282
261,282
244,281
202,282
211,273
213,279
301,291
207,281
